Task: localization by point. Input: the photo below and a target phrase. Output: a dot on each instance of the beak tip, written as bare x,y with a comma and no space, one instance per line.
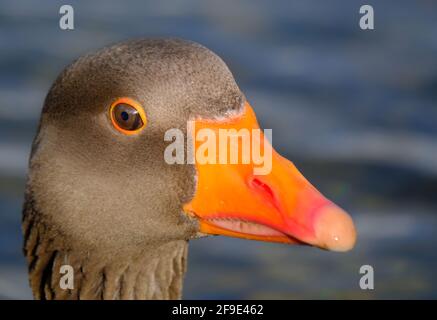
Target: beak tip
335,229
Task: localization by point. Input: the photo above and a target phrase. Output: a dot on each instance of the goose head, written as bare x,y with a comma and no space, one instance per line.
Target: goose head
111,189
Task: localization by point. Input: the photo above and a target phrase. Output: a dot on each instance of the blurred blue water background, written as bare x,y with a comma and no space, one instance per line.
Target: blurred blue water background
355,110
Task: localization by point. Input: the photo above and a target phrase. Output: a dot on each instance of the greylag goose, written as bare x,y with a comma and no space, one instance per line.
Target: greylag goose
101,199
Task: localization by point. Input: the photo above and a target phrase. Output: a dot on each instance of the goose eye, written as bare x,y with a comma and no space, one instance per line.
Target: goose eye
127,116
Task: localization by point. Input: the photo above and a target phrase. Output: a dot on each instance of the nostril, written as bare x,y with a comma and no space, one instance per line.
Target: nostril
264,188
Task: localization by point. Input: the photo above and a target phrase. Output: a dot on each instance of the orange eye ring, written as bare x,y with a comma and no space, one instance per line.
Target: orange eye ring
134,108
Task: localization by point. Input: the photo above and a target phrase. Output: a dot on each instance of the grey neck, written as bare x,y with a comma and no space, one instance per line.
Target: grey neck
154,273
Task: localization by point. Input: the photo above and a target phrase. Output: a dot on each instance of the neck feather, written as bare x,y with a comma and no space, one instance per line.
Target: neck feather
155,272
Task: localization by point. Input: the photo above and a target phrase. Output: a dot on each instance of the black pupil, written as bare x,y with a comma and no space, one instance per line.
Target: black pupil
124,115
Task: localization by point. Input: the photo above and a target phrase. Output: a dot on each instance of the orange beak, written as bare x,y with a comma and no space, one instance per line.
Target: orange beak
278,205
